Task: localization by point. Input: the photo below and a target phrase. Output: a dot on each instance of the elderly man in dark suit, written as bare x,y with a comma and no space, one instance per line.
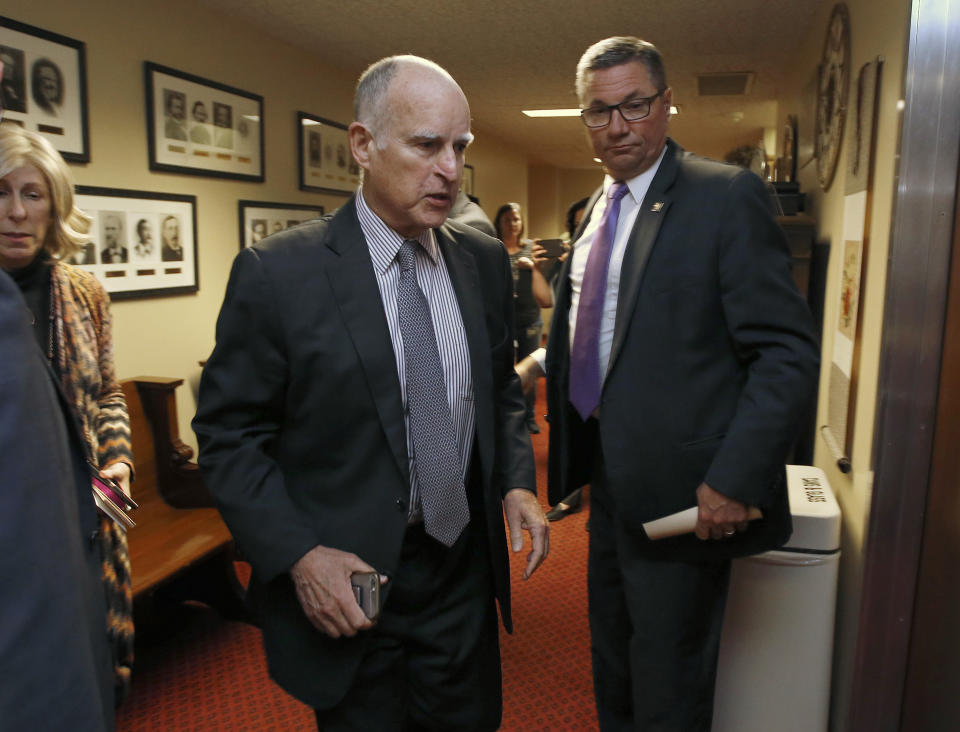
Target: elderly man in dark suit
360,413
55,661
680,363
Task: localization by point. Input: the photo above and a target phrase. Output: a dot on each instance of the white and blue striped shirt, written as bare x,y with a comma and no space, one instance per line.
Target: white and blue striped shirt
434,281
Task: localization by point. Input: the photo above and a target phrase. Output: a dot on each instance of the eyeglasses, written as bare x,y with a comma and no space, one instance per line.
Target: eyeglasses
631,110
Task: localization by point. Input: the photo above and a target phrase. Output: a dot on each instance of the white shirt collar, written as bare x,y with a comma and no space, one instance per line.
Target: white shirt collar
639,184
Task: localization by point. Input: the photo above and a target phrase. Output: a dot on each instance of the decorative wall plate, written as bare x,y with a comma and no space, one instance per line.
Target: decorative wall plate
832,94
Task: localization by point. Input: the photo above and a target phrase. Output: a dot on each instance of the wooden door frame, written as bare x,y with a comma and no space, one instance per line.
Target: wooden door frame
913,327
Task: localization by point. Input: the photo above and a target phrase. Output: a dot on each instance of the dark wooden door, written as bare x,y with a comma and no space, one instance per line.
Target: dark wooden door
932,691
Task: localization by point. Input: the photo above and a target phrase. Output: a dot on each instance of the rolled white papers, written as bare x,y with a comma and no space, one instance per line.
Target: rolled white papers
682,522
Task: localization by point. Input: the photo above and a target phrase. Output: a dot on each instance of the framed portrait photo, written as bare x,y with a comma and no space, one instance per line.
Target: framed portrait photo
262,218
44,86
141,244
326,164
200,127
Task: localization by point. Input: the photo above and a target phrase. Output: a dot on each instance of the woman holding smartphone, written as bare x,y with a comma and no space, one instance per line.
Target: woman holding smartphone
530,291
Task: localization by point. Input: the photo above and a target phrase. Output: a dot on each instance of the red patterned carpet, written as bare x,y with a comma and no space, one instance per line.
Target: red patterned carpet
199,672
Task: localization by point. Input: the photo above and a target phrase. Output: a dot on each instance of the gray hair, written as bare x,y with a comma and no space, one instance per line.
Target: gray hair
369,100
616,51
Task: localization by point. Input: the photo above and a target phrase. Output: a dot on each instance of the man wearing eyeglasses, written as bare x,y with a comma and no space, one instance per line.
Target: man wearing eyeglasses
680,364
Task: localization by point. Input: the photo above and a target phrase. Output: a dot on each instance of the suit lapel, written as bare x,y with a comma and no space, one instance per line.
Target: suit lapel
653,211
355,288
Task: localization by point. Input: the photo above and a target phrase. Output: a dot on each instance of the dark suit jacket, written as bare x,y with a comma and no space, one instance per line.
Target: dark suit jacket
169,254
54,655
301,428
106,258
467,212
713,364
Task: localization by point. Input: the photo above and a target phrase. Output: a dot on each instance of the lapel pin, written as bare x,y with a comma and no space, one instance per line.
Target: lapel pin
657,206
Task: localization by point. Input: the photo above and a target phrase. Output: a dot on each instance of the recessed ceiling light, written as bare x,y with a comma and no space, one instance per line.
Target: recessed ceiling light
674,110
552,112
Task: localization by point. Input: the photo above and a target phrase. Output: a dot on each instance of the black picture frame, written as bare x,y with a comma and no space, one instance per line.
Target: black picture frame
271,214
141,271
468,181
52,98
183,136
325,163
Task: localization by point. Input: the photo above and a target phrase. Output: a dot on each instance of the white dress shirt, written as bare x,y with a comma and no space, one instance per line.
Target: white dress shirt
434,280
629,208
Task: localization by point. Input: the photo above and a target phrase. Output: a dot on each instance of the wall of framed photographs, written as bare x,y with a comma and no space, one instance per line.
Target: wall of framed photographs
191,40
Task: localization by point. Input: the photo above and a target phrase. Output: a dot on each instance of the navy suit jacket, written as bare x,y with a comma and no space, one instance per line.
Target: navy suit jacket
54,654
713,366
301,427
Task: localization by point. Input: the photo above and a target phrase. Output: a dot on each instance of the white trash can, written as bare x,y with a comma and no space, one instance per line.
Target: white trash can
776,647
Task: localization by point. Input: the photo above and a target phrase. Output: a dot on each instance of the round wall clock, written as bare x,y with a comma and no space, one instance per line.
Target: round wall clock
832,94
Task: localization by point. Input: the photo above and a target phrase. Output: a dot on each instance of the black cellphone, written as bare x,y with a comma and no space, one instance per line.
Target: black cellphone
366,588
554,247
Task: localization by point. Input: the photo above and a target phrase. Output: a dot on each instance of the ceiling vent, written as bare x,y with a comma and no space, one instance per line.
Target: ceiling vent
726,84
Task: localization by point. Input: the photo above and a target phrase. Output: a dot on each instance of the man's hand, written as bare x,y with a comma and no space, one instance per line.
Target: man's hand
524,512
322,579
529,371
720,517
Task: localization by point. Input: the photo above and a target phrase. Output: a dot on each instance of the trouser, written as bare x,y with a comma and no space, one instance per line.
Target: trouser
654,626
433,659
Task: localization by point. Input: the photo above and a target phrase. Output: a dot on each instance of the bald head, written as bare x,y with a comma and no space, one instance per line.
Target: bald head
409,138
372,101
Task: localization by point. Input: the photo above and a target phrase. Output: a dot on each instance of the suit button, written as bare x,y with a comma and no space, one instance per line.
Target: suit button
401,504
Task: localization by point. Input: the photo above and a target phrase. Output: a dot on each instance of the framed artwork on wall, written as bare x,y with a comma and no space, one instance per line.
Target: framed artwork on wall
44,86
262,218
142,244
857,208
201,127
325,162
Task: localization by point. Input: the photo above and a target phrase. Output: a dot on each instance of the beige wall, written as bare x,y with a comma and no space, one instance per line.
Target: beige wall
500,172
552,190
878,28
544,197
167,336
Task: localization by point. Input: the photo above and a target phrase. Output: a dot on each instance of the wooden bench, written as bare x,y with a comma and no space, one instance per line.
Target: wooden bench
180,548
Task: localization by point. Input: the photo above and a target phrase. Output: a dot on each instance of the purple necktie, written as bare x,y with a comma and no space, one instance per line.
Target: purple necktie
585,379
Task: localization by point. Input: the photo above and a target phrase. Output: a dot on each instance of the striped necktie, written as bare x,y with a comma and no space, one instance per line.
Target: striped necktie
442,493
